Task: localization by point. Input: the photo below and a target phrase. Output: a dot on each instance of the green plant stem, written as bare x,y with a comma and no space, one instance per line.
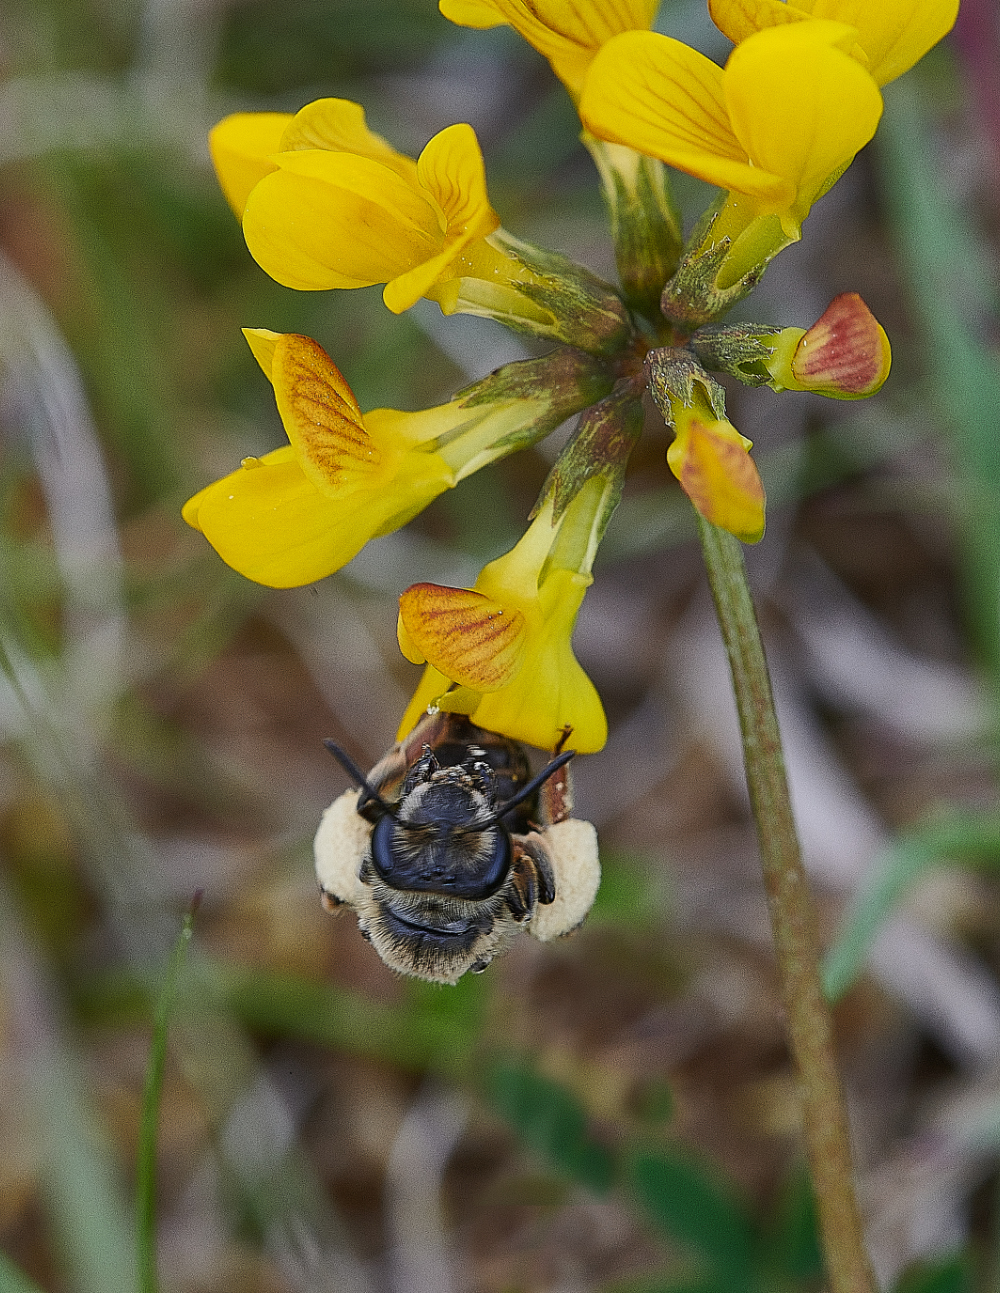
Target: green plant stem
145,1193
810,1026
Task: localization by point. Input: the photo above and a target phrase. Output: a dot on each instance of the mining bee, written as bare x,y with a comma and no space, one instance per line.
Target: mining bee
450,847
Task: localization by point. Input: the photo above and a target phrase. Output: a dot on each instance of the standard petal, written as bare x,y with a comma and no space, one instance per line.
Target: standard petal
338,126
321,417
470,638
241,146
718,475
800,106
666,100
568,34
335,220
894,34
845,354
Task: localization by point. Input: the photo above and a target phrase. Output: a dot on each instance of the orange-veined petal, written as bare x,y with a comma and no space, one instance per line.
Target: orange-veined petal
892,35
712,462
321,417
474,640
568,34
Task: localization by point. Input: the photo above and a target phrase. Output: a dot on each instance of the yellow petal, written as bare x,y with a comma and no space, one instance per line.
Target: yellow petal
567,33
335,220
470,638
551,691
666,100
739,19
269,522
433,684
451,169
800,106
711,461
241,146
262,342
894,34
321,416
338,126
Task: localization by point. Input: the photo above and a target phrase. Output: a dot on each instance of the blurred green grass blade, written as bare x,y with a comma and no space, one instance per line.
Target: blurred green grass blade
689,1207
152,1092
13,1279
793,1244
552,1121
957,837
952,1275
417,1037
949,283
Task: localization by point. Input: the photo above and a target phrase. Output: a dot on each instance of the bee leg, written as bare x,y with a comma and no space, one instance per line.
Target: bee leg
522,891
555,799
534,846
479,966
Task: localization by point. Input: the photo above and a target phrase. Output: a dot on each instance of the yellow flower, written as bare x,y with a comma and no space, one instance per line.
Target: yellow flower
303,511
844,355
332,204
567,34
501,652
775,128
890,35
327,203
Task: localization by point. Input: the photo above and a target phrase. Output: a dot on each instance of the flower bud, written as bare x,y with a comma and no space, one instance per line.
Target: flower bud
708,456
845,354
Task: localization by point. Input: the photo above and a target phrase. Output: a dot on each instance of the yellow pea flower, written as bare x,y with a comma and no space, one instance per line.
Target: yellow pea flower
301,512
327,203
501,652
567,34
711,459
335,205
891,35
775,128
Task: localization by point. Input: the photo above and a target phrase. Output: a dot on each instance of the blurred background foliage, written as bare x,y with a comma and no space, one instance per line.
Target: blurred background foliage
614,1113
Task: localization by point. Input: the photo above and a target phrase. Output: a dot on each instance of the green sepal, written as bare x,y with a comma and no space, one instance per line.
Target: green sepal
645,222
738,349
582,310
600,446
675,373
704,286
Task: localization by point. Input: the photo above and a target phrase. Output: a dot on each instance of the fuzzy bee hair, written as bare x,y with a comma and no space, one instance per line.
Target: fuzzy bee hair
450,849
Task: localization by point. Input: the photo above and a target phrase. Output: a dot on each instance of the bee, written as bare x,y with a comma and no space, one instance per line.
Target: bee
450,847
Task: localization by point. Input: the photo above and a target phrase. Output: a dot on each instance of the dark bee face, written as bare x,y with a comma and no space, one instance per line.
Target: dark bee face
435,843
452,866
437,873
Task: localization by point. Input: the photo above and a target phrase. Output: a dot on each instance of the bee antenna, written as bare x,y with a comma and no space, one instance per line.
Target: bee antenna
527,790
352,770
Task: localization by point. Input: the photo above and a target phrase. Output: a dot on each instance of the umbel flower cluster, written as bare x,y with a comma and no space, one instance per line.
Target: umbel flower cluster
325,203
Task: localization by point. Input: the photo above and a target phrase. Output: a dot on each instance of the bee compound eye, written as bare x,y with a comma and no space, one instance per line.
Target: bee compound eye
382,857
